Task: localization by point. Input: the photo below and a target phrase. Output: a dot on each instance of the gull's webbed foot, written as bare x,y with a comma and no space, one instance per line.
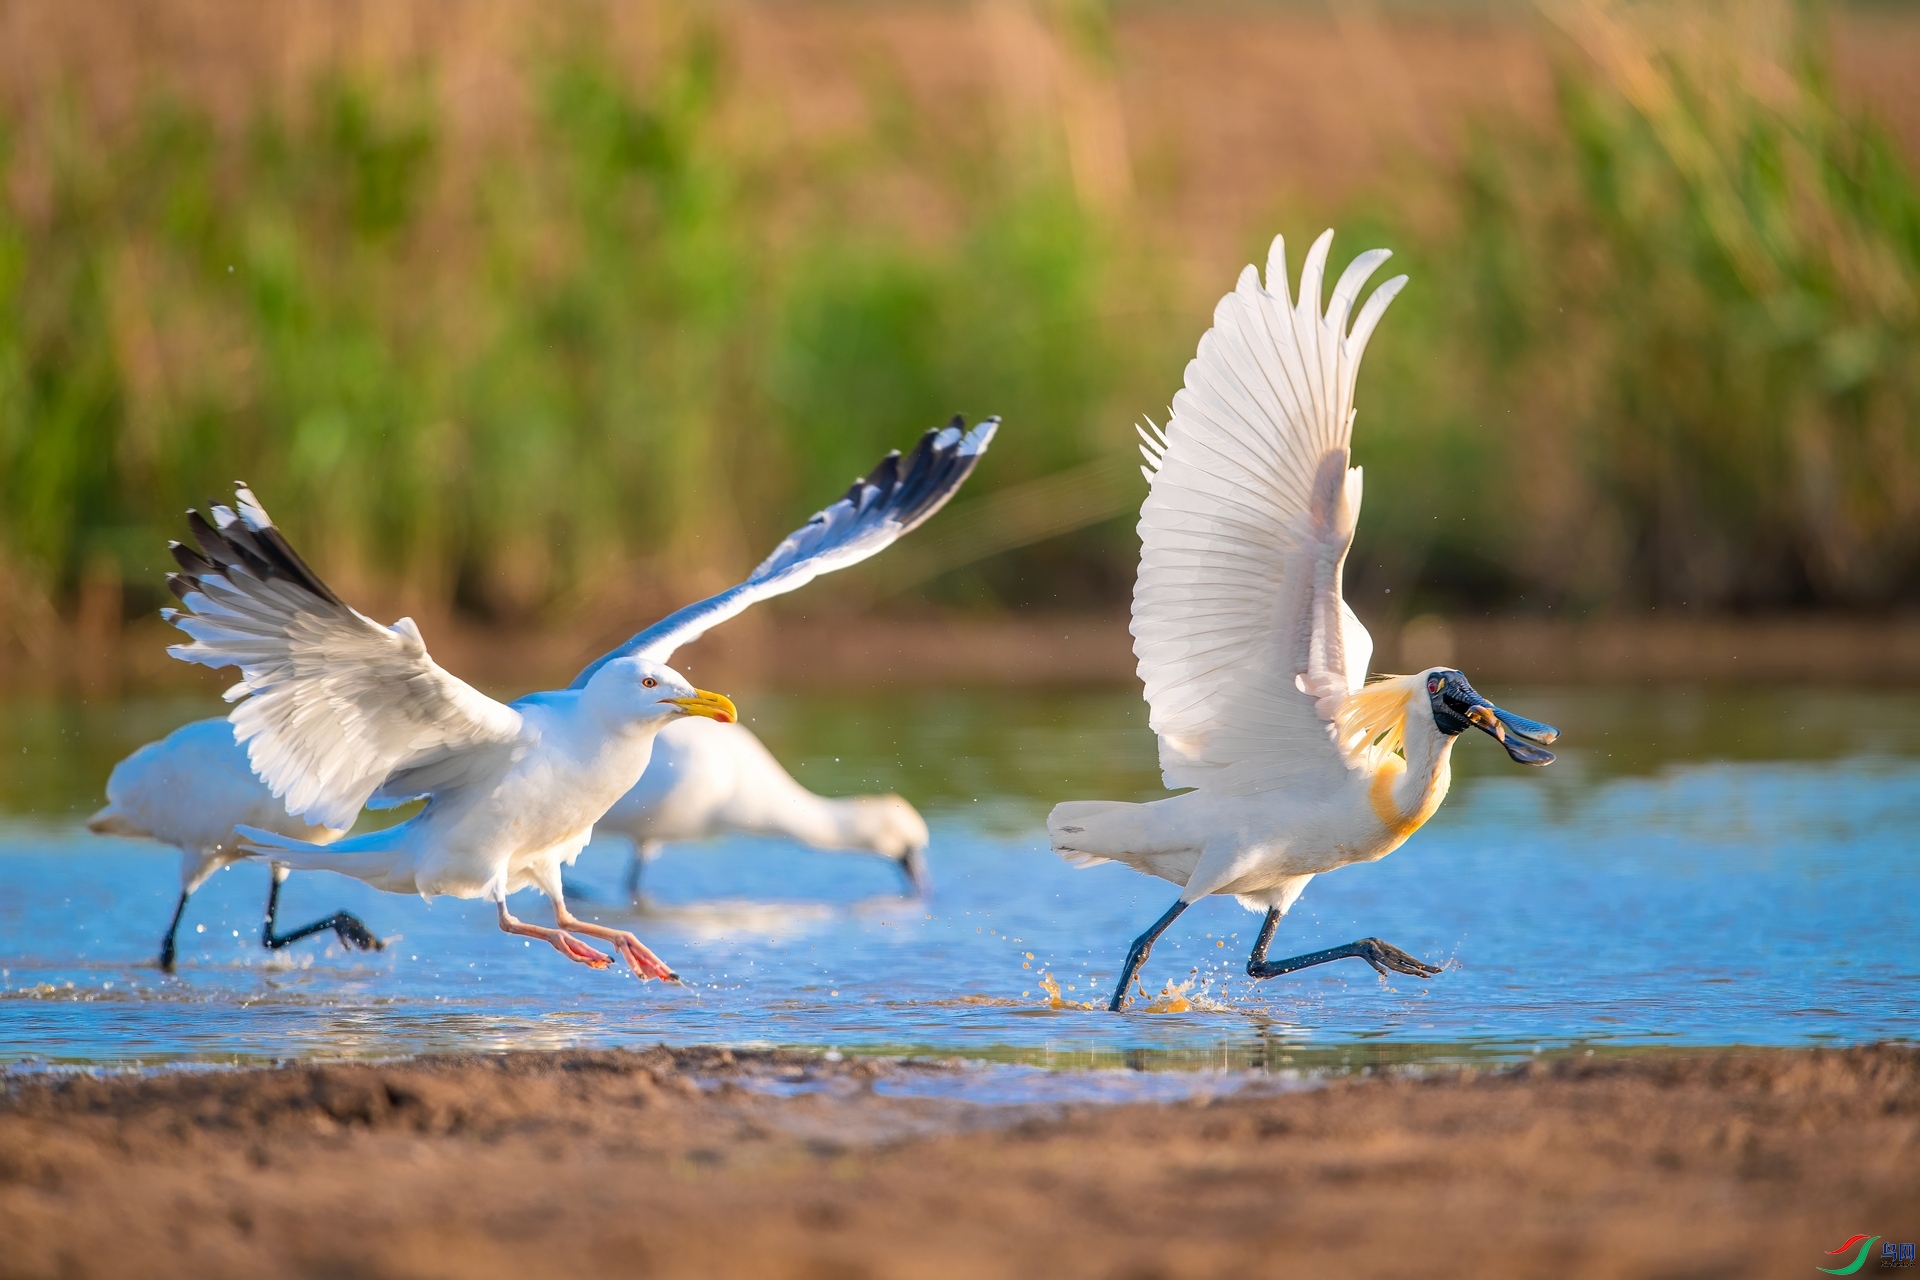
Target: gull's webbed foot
574,949
559,939
645,964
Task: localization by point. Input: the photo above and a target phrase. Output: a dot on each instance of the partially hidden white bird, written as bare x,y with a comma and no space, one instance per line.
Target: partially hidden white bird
1254,666
340,712
190,790
710,779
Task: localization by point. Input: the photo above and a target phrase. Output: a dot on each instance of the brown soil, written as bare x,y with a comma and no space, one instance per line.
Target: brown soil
1732,1163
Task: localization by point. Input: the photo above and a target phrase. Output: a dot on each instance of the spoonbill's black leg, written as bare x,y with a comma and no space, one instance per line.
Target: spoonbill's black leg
353,935
1381,955
1137,955
166,943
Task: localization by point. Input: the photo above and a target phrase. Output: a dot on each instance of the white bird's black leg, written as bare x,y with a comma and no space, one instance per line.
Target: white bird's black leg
1137,955
1381,955
166,943
353,935
644,851
913,865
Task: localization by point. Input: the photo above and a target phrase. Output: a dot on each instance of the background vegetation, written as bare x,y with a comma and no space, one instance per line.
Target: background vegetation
1665,351
1660,348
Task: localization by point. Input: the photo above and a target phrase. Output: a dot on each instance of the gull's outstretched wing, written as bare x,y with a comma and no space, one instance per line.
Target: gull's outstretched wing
895,498
1245,645
338,702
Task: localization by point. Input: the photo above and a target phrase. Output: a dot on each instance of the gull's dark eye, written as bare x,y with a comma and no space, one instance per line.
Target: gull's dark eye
649,683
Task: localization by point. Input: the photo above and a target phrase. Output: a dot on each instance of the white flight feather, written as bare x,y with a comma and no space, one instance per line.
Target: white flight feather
1245,644
338,701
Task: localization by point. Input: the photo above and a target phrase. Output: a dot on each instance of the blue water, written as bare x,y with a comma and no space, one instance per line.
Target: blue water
1733,868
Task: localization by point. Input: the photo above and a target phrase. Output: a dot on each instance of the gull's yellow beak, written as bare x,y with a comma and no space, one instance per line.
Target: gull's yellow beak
714,706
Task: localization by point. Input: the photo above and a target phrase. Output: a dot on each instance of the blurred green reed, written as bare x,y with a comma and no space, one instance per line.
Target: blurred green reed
642,336
1663,348
1659,348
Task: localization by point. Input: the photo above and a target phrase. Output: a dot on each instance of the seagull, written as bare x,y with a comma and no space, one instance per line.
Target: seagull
1255,667
338,712
190,790
710,779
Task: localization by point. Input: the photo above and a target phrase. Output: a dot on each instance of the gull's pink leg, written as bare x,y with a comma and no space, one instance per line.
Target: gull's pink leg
644,962
563,942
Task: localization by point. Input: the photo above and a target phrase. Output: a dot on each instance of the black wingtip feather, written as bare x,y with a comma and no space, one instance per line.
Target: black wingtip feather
919,469
885,475
189,560
214,546
242,540
265,553
289,563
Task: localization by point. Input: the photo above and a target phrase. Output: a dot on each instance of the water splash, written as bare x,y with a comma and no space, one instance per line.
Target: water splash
1172,998
1057,1001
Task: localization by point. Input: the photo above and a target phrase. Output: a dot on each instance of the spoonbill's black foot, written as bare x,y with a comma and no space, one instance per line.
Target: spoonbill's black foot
1137,956
1381,955
353,935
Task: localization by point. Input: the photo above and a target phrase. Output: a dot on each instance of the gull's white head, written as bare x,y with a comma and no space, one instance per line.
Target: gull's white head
643,692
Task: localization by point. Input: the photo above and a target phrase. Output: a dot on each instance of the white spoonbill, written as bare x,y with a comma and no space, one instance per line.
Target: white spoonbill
1254,666
341,712
190,790
709,779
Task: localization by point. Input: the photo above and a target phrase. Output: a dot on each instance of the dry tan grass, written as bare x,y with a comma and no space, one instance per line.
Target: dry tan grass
1221,113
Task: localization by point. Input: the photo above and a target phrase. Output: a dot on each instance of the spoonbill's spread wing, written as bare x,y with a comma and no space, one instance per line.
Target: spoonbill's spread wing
1244,643
339,702
895,498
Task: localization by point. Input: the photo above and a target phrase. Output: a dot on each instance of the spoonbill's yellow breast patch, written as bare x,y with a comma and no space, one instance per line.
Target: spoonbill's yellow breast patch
1401,823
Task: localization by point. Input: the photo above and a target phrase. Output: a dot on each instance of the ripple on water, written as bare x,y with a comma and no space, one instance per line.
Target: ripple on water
1756,901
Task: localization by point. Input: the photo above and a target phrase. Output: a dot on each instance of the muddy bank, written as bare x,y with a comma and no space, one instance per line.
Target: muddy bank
689,1163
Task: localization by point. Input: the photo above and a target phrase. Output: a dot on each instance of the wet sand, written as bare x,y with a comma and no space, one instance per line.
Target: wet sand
707,1163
